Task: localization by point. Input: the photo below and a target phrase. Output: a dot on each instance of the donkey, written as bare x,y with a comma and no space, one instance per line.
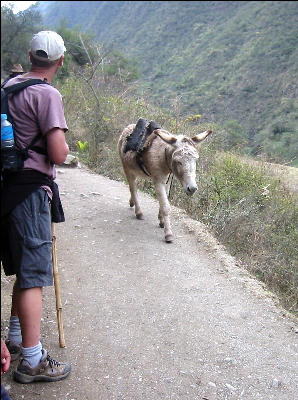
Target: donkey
163,154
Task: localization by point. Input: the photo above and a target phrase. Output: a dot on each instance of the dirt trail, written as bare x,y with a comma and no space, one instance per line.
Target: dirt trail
146,320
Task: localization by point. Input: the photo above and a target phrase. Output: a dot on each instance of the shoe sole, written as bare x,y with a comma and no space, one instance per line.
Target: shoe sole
24,378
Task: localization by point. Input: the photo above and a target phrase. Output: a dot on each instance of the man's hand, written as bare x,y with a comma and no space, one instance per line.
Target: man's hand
5,357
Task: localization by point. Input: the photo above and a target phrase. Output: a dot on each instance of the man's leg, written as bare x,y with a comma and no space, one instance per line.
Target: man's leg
14,340
24,332
23,300
29,231
14,308
35,259
29,308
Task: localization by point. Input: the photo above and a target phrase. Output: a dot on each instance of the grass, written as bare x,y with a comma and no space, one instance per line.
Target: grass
253,215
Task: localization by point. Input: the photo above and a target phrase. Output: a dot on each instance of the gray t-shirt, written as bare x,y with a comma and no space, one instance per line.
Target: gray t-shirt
36,109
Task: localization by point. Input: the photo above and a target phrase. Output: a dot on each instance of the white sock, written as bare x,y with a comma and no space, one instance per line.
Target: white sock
32,354
14,332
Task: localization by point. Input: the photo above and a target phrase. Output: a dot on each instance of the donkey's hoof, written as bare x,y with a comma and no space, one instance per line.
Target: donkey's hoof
140,216
169,238
131,203
161,225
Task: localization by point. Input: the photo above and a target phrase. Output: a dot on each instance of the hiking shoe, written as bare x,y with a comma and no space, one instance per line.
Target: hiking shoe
48,370
14,349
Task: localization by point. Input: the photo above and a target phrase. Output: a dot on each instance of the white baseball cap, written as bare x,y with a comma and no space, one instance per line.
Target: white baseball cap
47,46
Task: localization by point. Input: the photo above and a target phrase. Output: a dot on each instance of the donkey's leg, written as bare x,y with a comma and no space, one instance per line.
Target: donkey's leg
164,210
134,200
168,188
161,221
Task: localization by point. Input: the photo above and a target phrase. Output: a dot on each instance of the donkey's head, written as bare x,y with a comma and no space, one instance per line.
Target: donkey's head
182,159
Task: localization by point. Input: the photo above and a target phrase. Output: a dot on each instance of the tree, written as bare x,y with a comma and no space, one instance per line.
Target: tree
16,33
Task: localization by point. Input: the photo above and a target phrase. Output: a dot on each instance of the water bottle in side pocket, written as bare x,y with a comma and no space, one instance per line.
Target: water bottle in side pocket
9,158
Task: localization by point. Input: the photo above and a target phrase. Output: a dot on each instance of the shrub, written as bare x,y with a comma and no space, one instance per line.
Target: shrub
253,216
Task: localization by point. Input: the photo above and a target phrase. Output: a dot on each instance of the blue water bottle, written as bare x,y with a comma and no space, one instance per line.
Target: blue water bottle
8,150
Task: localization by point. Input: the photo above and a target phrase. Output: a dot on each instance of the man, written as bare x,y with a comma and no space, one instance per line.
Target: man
25,216
16,70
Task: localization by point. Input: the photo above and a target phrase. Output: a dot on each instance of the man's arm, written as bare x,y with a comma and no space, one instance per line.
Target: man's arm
56,145
5,358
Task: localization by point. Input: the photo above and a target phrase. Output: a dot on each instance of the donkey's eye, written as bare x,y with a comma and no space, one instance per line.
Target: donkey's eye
179,163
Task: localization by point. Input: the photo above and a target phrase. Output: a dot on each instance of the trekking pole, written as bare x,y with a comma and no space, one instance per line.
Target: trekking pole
57,289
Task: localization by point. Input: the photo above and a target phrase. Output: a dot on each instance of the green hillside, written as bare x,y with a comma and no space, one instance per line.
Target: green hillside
233,62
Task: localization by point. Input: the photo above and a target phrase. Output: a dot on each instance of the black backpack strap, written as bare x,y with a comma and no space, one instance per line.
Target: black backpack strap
14,89
17,87
31,146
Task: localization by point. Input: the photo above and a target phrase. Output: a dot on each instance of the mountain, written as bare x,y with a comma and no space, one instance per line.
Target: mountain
225,60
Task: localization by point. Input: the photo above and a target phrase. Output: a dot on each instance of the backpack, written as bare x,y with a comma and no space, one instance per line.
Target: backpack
22,154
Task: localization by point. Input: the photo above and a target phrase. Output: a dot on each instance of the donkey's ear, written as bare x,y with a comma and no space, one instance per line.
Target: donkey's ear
165,136
201,136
